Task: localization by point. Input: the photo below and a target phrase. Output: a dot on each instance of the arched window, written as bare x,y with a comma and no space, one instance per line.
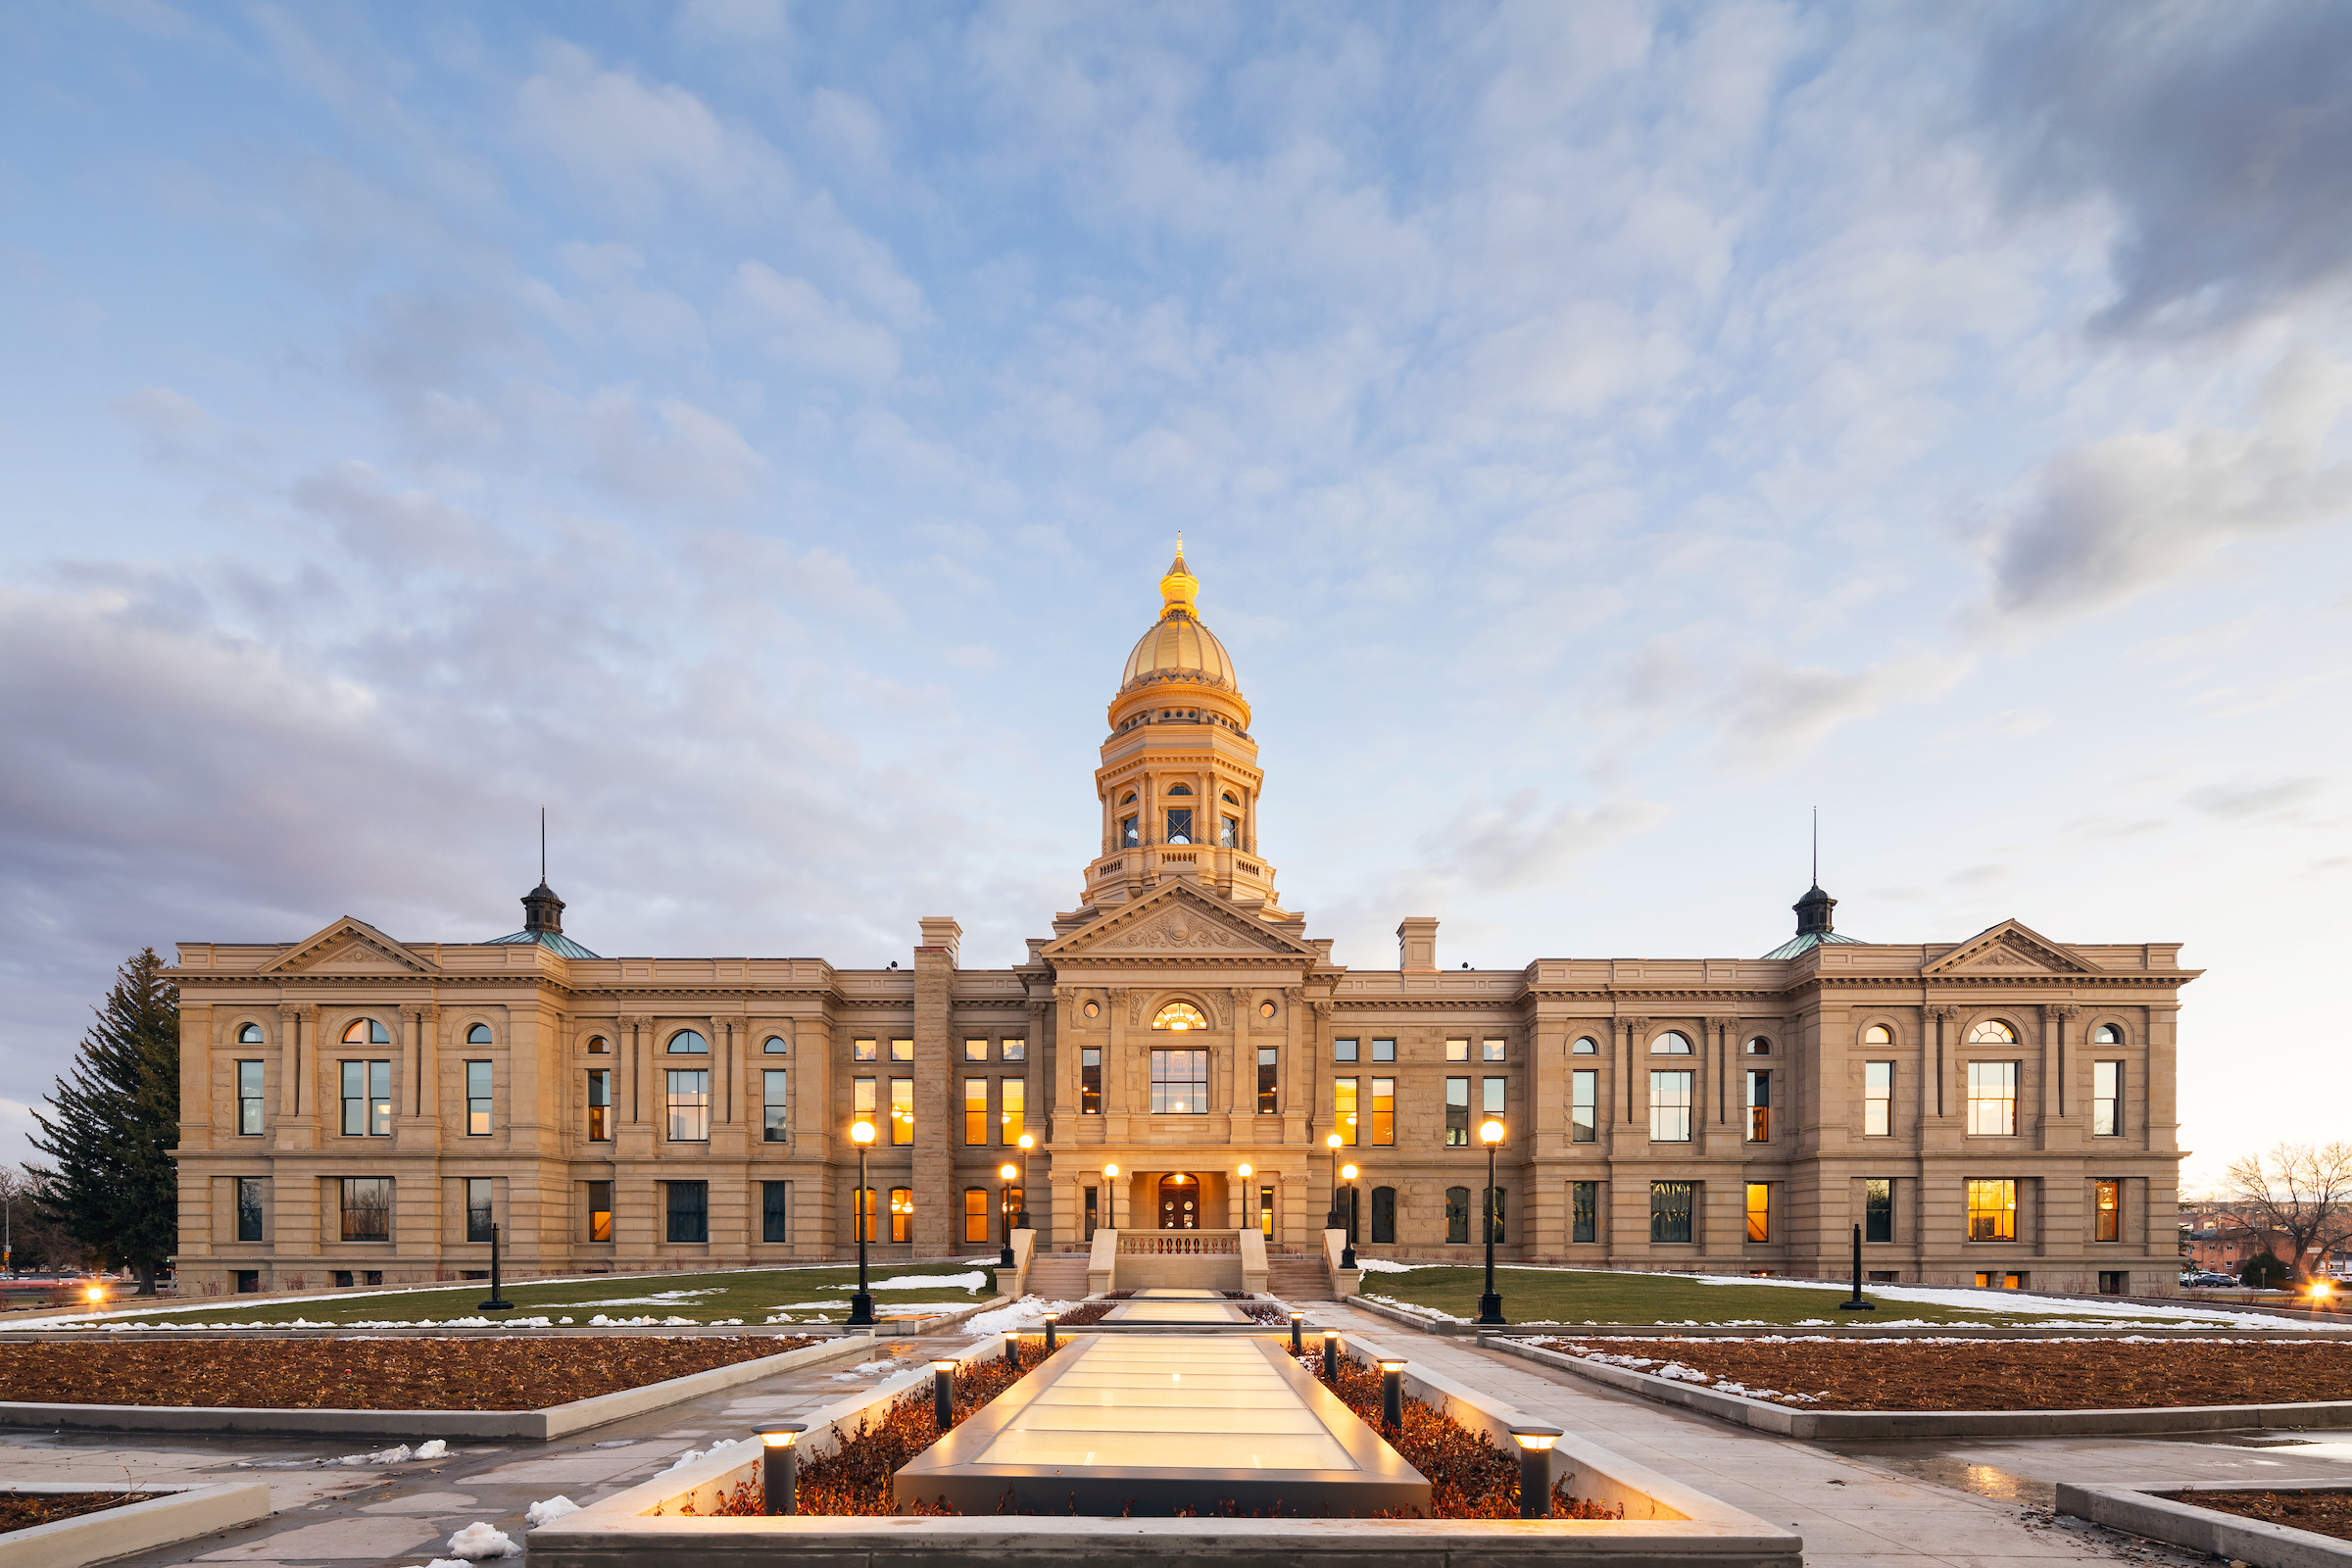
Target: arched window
1759,1046
2105,1034
250,1034
1877,1034
1128,798
1587,1047
687,1043
596,1046
1672,1043
1180,789
1229,799
1993,1032
1180,1016
775,1046
365,1032
478,1035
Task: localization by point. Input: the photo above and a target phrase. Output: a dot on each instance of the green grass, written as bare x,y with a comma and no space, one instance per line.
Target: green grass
1589,1295
751,1294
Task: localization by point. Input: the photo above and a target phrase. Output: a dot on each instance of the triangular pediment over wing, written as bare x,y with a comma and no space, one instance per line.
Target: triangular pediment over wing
2009,948
1177,920
348,947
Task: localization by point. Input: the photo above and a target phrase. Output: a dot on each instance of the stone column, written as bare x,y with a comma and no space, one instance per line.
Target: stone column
935,1127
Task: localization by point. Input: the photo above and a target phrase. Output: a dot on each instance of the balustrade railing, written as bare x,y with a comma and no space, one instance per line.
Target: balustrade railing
1176,1244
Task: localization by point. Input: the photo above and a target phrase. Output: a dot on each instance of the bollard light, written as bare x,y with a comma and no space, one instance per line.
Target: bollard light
1392,1392
780,1466
1298,1326
1535,1441
1331,1355
1013,1348
942,1393
1051,1319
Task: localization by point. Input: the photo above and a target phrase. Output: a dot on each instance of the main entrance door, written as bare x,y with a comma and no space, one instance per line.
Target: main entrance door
1180,1202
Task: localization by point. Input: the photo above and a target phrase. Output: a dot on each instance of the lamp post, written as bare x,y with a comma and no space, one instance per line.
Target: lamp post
1021,1219
1243,1172
780,1466
1110,1193
498,1301
861,1305
1347,1235
1331,1221
1535,1439
1490,1306
1006,1172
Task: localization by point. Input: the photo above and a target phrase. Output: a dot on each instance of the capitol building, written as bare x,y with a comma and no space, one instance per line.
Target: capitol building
1178,1049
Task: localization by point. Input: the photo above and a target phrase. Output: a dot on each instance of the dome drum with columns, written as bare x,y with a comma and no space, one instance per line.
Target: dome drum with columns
1178,1052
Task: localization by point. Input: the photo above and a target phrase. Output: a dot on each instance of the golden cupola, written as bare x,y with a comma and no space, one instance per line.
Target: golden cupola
1179,779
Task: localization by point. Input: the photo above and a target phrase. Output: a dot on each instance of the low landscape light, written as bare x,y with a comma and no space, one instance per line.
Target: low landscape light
942,1390
1331,1354
1392,1392
779,1466
1535,1439
1052,1318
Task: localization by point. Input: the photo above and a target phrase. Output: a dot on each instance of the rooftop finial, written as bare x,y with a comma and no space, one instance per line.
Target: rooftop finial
1816,842
543,844
1179,588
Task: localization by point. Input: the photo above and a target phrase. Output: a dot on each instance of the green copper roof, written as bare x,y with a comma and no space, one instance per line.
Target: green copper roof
1808,942
552,941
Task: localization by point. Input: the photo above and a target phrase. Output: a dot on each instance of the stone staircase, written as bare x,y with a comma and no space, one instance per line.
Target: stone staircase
1297,1279
1058,1276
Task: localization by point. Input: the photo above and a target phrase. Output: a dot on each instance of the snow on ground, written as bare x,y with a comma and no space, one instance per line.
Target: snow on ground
478,1541
1028,1312
932,1281
552,1508
1382,1265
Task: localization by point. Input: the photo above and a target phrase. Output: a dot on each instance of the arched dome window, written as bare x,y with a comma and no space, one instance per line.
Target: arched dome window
2105,1034
1586,1046
1180,789
250,1034
1993,1032
1128,798
1229,799
1877,1034
1180,1016
1672,1043
478,1035
687,1043
365,1032
1759,1046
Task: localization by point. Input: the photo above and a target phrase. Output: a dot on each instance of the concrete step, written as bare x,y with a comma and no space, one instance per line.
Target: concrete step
1058,1279
1296,1280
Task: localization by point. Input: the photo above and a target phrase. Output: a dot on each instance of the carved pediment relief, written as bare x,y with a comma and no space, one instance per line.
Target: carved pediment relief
348,947
2010,949
1177,920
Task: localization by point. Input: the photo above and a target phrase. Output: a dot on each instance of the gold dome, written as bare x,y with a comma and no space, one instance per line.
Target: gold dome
1179,647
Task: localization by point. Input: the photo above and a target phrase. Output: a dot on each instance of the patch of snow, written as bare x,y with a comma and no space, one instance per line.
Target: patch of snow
539,1513
930,1282
658,1299
1382,1265
691,1454
478,1541
1026,1313
436,1449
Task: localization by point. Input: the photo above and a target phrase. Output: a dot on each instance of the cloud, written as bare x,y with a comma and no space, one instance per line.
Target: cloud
1773,711
804,329
2245,803
637,143
395,530
2119,517
1519,842
2218,137
695,457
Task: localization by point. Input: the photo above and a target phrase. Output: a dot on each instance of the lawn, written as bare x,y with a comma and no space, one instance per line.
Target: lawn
1591,1296
817,1293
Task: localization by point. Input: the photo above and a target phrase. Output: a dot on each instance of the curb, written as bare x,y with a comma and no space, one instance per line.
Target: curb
2181,1522
177,1514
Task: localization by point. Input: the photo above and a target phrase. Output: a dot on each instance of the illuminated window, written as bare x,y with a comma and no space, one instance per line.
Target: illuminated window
902,1051
1877,1034
975,1111
1343,1110
1180,1016
1992,1098
864,1222
1670,1106
861,1050
1383,1130
686,1043
902,1110
1011,1120
600,1210
862,1100
1269,1068
1089,1082
1993,1032
975,1051
1672,1043
2109,1211
1013,1050
1878,1099
1497,1050
975,1213
1759,1212
1584,1109
1992,1211
901,1215
1180,1083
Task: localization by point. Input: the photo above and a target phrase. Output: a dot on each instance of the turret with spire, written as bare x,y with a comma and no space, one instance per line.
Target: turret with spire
1814,927
542,913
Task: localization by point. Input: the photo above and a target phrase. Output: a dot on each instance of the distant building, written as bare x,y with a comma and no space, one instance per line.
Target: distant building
1998,1110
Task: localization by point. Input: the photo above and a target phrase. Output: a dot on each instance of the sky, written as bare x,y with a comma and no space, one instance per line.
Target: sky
1603,433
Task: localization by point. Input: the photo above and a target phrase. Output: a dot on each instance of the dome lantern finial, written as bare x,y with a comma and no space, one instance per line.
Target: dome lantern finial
1179,589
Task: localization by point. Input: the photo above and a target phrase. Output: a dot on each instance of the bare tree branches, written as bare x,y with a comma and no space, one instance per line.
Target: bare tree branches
2301,1192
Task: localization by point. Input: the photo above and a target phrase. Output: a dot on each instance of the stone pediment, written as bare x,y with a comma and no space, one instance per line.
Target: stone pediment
1176,920
348,947
2010,949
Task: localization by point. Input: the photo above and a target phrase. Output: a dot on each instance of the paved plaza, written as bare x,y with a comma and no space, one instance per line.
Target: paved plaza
1937,1502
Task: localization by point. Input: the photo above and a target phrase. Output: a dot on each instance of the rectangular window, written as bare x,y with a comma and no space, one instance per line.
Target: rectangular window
861,1050
1014,1119
600,1211
1384,1050
1878,1210
2106,1100
902,1051
975,1051
1180,1083
1493,1091
2114,1282
1457,1051
862,1100
1089,1206
249,1280
249,1100
1265,1211
1878,1099
1269,1067
975,1213
902,1110
478,1100
863,1219
1584,1106
1342,1050
1129,835
1759,1212
689,1211
1584,1211
776,1211
1457,1212
249,1209
975,1112
1670,1106
2108,1211
1670,1211
1992,1211
1759,1106
2001,1281
366,1208
775,1105
1497,1049
1382,1128
1180,824
689,1104
901,1213
477,1209
1457,1117
600,1105
1343,1110
366,1099
1494,1213
1992,1098
1089,1082
1229,832
1013,1204
1015,1051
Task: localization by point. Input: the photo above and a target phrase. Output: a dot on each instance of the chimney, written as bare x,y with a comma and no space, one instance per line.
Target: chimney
941,933
1417,943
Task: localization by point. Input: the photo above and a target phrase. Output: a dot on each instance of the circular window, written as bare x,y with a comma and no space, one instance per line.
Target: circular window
1093,1009
1265,1009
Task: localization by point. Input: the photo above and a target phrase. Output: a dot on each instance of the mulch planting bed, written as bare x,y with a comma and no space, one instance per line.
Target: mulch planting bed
363,1374
23,1510
1818,1374
2323,1513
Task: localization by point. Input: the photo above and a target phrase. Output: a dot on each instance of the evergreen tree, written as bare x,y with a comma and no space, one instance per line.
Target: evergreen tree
114,1186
